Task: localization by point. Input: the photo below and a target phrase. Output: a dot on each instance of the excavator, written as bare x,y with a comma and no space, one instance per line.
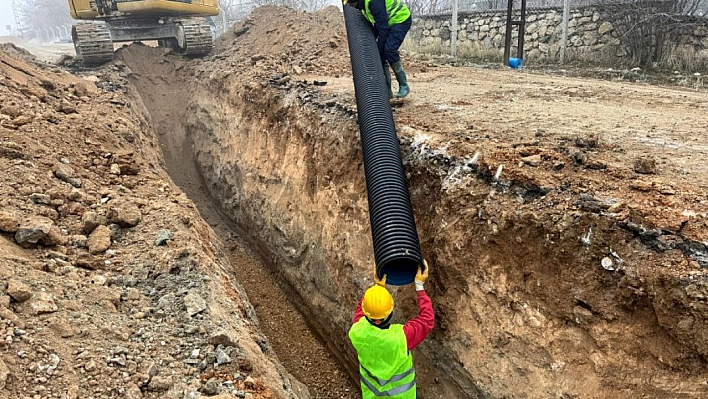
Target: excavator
182,25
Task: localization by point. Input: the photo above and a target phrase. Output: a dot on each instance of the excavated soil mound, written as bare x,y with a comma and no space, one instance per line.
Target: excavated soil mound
565,219
111,285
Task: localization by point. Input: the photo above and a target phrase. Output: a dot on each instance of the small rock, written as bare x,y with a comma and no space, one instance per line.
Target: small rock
580,158
80,90
194,303
90,366
41,303
333,43
62,329
57,255
153,370
132,391
115,169
21,120
66,174
91,220
33,230
533,160
67,107
132,294
100,240
222,357
641,186
594,165
9,221
616,207
160,384
54,237
162,237
18,290
79,240
115,231
166,301
118,361
645,165
124,213
211,387
39,198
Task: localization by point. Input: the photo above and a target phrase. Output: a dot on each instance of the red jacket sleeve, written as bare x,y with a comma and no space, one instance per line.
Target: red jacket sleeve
417,328
358,313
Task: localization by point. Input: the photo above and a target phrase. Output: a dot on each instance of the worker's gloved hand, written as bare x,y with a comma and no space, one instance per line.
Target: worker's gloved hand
382,281
421,276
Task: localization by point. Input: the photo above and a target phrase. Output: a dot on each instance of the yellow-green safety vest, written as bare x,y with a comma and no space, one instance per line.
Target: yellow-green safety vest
385,363
396,10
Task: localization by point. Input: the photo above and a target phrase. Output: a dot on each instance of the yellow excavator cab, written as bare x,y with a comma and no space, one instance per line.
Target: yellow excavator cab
182,25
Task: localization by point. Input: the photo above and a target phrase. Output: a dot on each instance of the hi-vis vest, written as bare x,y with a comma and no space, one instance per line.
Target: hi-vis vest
396,10
385,364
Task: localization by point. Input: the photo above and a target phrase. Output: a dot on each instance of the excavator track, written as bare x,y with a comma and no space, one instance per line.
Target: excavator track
197,39
92,43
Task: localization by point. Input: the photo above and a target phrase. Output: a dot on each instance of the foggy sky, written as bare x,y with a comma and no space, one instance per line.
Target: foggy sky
6,16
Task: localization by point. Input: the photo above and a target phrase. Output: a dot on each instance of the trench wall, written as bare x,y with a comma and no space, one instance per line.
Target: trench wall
523,307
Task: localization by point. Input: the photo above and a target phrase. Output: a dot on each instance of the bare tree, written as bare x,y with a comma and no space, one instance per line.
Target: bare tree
426,7
647,28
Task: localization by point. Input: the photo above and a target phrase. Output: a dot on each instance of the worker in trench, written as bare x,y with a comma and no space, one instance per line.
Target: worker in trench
390,20
384,349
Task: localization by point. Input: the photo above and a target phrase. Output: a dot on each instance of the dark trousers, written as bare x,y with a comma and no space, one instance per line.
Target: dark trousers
395,37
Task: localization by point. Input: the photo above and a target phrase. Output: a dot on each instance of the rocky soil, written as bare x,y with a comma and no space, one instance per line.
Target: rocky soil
112,286
566,221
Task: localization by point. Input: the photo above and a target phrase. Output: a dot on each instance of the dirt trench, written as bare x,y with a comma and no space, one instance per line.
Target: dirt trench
164,94
300,329
527,305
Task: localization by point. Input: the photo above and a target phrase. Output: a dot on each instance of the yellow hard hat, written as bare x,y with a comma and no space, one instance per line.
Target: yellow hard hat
377,303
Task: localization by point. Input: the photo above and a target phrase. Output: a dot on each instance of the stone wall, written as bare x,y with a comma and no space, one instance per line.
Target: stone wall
591,33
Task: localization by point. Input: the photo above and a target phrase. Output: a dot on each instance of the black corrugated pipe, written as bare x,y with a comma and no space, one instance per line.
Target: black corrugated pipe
396,244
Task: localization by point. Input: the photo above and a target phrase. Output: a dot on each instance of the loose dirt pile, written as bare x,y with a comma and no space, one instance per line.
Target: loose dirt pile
565,218
111,284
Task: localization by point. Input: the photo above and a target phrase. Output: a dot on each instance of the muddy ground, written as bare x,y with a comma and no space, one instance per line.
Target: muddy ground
565,219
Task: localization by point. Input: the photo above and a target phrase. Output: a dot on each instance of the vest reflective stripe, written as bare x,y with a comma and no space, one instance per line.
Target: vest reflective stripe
395,378
395,9
391,392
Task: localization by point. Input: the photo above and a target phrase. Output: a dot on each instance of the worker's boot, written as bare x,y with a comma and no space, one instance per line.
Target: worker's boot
387,75
403,88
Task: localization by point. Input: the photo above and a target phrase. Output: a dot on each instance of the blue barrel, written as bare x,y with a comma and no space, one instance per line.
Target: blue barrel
516,63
